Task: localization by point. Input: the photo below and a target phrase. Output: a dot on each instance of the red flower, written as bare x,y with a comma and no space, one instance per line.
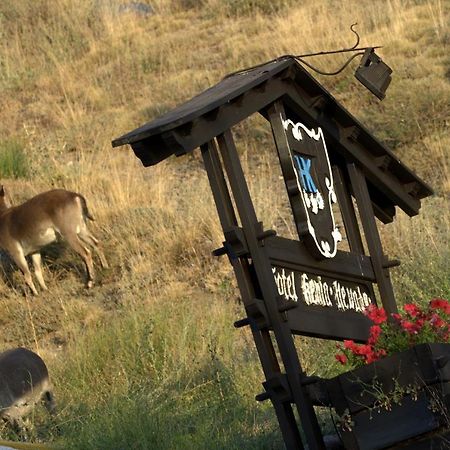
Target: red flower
436,321
410,327
371,357
341,358
363,350
349,345
414,325
446,334
375,331
440,303
411,309
419,323
376,315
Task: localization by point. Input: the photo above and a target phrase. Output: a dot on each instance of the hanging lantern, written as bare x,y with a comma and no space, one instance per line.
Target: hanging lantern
373,73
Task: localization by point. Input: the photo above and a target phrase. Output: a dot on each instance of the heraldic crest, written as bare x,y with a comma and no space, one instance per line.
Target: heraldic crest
311,164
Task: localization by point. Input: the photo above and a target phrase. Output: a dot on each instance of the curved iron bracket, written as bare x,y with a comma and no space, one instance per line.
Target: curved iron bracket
355,48
372,72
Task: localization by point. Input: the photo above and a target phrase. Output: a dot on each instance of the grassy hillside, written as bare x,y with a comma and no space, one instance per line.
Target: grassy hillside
149,357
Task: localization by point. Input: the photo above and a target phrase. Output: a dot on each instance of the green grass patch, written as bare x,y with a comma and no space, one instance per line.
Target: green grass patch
164,376
13,160
422,245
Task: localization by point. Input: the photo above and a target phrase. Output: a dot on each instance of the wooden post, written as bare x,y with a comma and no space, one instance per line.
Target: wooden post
348,213
263,342
263,271
373,240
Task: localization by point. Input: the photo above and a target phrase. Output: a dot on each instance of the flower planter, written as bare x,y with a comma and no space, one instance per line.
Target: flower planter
403,398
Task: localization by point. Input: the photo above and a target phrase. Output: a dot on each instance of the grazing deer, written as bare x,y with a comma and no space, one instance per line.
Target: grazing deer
24,382
26,228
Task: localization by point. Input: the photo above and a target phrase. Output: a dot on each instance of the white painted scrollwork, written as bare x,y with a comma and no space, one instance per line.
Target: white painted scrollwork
313,200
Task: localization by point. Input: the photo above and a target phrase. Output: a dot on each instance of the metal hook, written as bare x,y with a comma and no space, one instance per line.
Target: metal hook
344,50
357,36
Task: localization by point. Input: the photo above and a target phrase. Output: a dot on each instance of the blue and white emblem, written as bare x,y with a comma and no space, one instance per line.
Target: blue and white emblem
309,158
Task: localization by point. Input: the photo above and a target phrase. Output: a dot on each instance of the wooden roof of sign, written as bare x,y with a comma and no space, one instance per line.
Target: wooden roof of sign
241,94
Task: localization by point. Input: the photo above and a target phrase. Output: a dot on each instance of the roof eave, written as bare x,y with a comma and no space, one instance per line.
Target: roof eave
302,93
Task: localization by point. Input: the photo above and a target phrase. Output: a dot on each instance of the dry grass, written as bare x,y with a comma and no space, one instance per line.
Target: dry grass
75,75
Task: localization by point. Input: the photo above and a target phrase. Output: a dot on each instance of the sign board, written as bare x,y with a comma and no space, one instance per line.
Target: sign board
332,294
326,306
308,286
324,292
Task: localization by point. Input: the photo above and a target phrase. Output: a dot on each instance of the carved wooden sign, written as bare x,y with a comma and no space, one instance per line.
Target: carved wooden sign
330,302
310,185
314,179
308,286
322,291
326,305
312,168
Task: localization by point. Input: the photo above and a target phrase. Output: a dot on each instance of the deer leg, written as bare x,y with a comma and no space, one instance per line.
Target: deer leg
76,243
49,402
36,258
88,238
19,259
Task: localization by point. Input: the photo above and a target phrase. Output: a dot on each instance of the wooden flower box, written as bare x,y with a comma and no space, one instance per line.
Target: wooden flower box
403,398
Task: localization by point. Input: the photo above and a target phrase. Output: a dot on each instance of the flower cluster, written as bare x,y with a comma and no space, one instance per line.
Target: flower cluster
415,326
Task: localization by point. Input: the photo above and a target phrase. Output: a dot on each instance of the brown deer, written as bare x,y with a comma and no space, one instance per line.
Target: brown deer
26,228
24,382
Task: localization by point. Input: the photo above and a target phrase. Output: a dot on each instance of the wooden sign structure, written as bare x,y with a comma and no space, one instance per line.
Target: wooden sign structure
306,286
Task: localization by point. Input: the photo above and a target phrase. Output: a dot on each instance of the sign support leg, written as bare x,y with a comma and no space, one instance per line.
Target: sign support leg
264,275
263,342
372,236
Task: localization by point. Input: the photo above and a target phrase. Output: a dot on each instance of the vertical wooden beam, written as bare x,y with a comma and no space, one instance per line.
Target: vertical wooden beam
373,240
267,286
348,213
219,187
263,342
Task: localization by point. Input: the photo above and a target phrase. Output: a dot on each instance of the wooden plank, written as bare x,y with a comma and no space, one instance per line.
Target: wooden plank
228,90
219,188
204,130
403,369
385,214
323,306
404,421
293,254
378,425
276,114
328,324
